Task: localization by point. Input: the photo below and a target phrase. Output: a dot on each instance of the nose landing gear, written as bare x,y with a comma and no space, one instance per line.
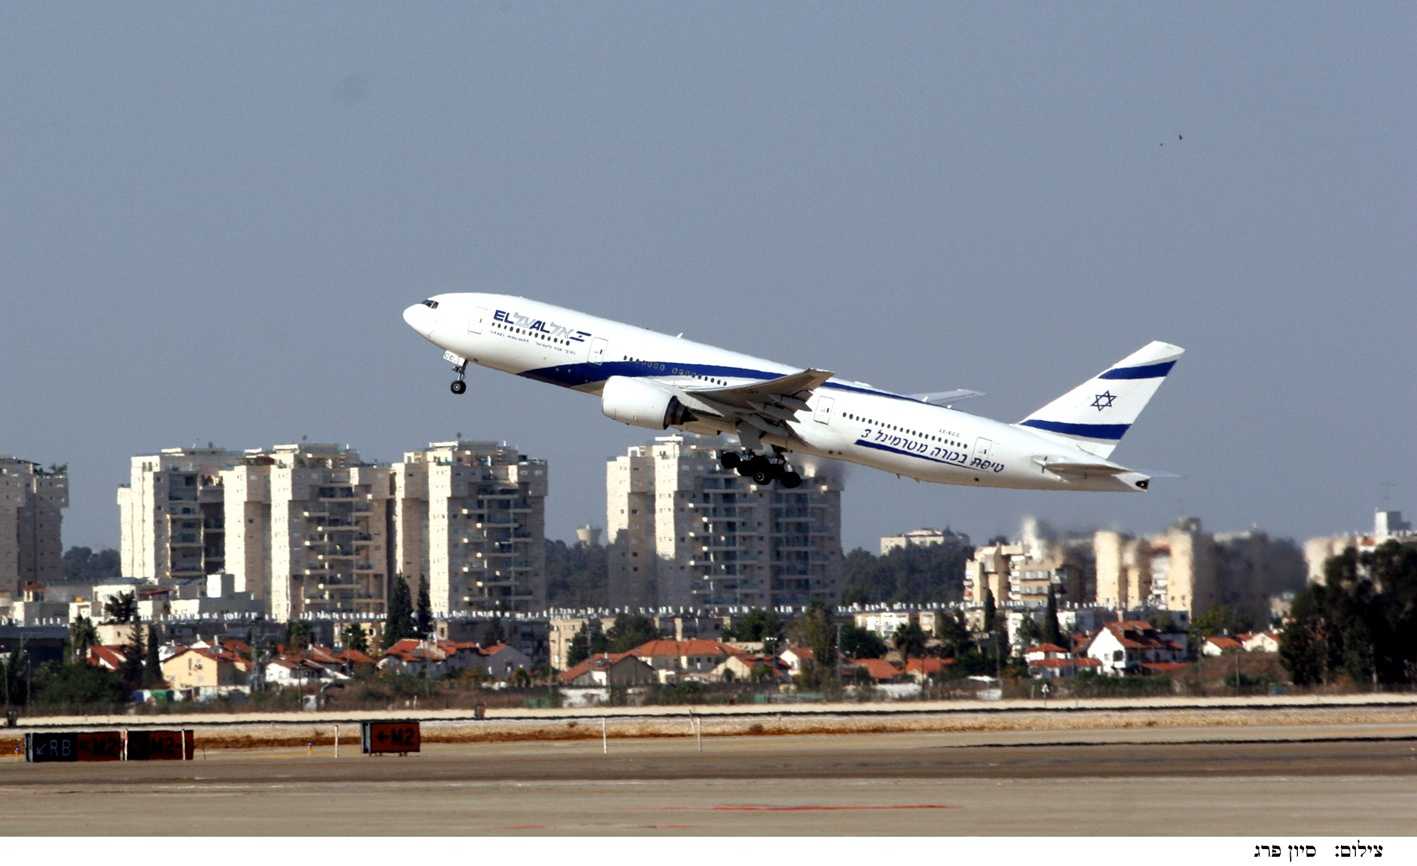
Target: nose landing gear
459,363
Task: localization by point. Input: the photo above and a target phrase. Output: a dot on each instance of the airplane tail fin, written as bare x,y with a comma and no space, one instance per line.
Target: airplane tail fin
1098,412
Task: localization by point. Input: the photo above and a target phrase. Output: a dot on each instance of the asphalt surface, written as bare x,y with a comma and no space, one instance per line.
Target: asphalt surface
1123,782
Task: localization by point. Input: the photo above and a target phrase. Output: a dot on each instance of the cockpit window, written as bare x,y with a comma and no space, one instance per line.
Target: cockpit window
431,304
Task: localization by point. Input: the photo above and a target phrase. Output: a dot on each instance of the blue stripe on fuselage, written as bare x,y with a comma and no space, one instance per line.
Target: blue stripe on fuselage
879,447
1091,431
1148,371
585,373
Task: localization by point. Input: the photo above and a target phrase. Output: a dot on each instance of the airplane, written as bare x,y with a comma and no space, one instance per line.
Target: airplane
658,381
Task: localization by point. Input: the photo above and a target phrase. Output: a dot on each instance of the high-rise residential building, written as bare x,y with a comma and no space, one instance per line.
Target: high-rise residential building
1183,568
1021,574
307,529
1123,570
469,518
32,503
170,513
686,532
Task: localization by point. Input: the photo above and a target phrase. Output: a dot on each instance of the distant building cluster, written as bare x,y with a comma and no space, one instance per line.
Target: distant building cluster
1183,569
312,528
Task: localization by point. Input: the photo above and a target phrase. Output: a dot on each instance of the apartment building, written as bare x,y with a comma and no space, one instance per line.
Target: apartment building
686,532
170,513
1123,570
32,503
308,529
469,518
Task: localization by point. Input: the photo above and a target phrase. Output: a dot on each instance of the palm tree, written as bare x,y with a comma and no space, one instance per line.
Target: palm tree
910,640
82,635
121,608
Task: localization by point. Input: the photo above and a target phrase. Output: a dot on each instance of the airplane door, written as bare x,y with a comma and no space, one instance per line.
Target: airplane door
822,414
478,320
981,448
596,353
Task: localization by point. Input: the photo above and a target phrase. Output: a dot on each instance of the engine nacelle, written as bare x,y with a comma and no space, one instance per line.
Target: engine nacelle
641,404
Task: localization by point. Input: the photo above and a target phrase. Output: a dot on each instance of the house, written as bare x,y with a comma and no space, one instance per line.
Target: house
500,660
878,670
927,668
795,657
1123,647
203,670
109,658
415,657
672,659
1218,645
1262,642
295,670
746,667
1043,651
610,669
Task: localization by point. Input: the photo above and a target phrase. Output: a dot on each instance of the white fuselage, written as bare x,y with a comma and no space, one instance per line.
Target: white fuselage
846,420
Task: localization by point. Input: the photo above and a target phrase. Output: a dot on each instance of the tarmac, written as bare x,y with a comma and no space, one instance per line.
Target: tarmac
1324,779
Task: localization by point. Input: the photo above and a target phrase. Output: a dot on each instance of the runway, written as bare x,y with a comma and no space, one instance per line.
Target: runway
1332,782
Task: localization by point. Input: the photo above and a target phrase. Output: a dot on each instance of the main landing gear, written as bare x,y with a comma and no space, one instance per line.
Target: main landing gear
761,468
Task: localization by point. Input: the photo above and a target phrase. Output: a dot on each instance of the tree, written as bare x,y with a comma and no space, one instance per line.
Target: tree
354,638
629,631
814,629
953,635
152,664
82,636
1052,629
77,685
399,622
577,575
131,671
588,640
990,611
910,640
121,608
926,573
84,565
425,610
756,625
860,643
1362,622
1029,633
298,634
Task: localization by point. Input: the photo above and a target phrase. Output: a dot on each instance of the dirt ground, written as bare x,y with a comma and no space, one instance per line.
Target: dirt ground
1334,771
1051,725
909,783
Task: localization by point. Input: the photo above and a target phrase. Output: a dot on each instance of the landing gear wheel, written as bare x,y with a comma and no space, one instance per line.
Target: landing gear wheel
458,386
730,460
790,480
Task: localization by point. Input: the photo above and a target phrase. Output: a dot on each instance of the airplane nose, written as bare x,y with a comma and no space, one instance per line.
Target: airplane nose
419,318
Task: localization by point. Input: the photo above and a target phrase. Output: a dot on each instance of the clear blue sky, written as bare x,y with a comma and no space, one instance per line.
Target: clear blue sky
211,216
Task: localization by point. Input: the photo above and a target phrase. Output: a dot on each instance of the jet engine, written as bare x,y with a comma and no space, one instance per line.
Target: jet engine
642,404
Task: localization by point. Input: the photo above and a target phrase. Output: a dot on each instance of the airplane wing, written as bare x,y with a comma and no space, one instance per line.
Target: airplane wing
944,398
763,406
